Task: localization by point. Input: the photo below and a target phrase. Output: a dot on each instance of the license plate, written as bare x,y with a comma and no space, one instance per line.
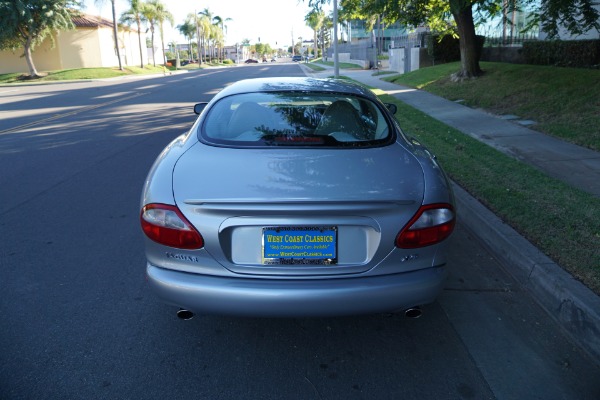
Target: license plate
300,245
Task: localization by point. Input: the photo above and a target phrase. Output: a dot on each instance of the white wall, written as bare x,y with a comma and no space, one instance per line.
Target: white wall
397,59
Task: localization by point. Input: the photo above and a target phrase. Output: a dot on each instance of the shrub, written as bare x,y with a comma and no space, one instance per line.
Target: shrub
447,49
563,53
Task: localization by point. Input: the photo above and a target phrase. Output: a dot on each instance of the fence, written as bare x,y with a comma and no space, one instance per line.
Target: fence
408,41
363,50
508,40
369,48
497,47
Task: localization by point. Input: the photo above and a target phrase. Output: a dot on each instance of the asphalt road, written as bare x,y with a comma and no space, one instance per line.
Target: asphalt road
77,320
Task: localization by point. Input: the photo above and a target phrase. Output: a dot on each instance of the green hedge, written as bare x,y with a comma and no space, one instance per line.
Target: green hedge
447,49
563,53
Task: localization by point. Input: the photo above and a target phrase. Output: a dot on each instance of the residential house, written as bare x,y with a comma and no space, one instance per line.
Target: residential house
89,45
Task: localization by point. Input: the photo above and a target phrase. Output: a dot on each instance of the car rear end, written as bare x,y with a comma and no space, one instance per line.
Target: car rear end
288,216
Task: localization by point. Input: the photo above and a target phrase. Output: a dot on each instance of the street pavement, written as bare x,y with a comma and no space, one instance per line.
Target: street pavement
574,306
94,331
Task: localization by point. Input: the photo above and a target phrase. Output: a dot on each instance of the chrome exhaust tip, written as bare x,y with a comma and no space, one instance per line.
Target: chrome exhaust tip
185,315
413,312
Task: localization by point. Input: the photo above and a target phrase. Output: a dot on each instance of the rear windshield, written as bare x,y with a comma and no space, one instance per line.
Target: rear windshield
296,119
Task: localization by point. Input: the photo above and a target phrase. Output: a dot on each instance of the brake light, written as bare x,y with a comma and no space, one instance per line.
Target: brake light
165,224
431,224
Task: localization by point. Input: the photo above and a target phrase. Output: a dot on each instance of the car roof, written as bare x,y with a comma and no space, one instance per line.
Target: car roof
295,84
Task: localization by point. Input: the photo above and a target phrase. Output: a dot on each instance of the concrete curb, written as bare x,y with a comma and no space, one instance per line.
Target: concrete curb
570,303
114,78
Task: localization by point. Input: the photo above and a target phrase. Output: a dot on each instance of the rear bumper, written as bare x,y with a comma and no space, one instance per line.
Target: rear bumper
296,298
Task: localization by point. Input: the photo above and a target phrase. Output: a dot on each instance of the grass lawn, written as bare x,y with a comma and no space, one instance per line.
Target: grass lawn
565,102
563,222
81,73
342,65
315,66
100,73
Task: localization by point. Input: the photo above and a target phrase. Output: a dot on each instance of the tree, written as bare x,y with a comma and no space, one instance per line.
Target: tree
148,14
115,33
259,48
25,24
214,33
188,30
220,22
203,26
577,16
173,45
325,34
161,14
208,33
218,40
314,20
134,14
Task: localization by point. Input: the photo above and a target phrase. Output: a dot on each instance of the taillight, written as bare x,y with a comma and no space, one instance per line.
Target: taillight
430,225
165,224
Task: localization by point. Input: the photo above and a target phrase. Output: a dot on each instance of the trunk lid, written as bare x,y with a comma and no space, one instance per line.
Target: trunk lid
234,196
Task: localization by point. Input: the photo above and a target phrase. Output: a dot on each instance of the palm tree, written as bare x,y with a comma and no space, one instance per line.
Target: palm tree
188,30
148,15
173,45
314,20
215,31
203,32
161,14
208,32
220,22
134,14
115,34
218,41
325,27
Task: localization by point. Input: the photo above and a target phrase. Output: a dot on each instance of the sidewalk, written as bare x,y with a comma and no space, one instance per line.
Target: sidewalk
575,165
575,307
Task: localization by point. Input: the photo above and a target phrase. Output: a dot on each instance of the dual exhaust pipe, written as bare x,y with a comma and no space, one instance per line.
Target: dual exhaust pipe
413,313
185,315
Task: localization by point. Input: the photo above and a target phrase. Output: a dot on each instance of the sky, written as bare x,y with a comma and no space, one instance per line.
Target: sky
271,21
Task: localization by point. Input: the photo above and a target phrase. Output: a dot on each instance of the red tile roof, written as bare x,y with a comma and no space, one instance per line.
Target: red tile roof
90,21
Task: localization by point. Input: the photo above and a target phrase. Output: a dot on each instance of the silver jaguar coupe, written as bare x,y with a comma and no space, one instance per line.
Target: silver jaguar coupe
296,197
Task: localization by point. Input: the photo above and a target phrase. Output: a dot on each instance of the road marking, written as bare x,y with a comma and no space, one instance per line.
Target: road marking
58,116
111,95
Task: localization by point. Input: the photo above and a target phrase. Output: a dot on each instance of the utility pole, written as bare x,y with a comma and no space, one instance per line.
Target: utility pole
336,59
293,43
197,39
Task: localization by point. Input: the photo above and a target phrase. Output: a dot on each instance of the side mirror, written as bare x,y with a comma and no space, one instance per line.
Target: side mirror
198,108
391,107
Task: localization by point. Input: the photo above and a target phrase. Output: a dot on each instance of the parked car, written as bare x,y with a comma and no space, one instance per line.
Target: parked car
251,61
296,58
296,197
